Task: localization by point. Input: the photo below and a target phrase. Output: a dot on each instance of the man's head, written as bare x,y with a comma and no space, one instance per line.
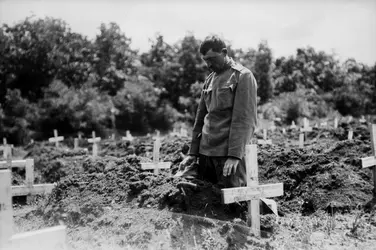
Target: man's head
214,53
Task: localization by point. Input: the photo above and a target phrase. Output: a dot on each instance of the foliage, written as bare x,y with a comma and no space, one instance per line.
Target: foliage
52,77
262,71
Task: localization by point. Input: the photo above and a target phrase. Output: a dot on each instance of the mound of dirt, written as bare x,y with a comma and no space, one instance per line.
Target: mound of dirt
51,163
319,177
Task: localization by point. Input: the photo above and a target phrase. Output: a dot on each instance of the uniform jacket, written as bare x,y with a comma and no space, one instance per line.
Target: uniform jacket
227,113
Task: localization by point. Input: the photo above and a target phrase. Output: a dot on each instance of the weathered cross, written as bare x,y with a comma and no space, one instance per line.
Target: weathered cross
183,132
371,161
50,238
350,135
56,138
303,132
265,140
158,135
324,124
94,140
336,122
362,119
3,148
156,165
293,126
128,136
253,192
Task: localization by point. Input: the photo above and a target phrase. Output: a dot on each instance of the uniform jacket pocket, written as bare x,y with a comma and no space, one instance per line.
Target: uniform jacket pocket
225,97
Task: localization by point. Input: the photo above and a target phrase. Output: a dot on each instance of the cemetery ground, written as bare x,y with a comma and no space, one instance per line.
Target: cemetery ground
109,202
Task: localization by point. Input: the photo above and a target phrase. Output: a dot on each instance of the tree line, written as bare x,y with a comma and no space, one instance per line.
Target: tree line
52,77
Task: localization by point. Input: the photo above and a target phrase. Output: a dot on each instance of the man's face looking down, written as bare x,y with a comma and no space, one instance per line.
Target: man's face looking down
215,60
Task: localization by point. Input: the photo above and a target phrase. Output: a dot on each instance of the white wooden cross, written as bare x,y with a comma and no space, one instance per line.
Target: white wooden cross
324,124
56,138
6,148
350,135
94,140
335,122
158,135
362,119
49,238
264,140
303,132
283,131
253,192
128,136
301,140
293,126
76,143
371,161
156,165
349,119
183,132
29,189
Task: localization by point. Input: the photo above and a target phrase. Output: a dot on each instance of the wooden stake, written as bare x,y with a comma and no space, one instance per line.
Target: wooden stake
301,140
336,123
350,135
371,161
6,212
76,143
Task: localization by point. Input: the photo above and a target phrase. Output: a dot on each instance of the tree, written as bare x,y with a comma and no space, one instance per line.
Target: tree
114,59
263,69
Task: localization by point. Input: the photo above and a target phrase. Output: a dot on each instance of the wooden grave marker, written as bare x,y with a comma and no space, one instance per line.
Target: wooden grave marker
128,136
44,239
76,143
293,125
28,190
183,132
157,134
362,119
301,140
253,192
324,124
336,123
350,135
156,165
5,148
283,131
94,140
303,132
371,161
264,140
56,138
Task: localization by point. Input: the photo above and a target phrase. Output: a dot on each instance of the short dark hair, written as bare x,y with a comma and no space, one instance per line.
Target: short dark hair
212,42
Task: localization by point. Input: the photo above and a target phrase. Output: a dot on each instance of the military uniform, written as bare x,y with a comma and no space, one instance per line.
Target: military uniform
225,121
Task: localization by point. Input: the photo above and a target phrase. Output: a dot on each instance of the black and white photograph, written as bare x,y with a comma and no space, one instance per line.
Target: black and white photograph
176,124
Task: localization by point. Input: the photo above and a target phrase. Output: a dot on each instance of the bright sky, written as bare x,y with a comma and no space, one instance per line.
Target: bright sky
347,27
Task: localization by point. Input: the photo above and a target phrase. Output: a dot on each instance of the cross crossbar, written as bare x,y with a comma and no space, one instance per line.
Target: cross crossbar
152,165
231,195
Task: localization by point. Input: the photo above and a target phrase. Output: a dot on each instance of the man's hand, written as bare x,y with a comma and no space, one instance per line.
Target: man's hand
187,161
230,167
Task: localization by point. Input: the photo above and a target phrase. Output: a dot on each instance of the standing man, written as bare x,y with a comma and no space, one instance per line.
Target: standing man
225,120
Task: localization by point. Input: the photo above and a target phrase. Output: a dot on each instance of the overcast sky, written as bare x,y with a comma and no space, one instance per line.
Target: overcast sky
347,27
